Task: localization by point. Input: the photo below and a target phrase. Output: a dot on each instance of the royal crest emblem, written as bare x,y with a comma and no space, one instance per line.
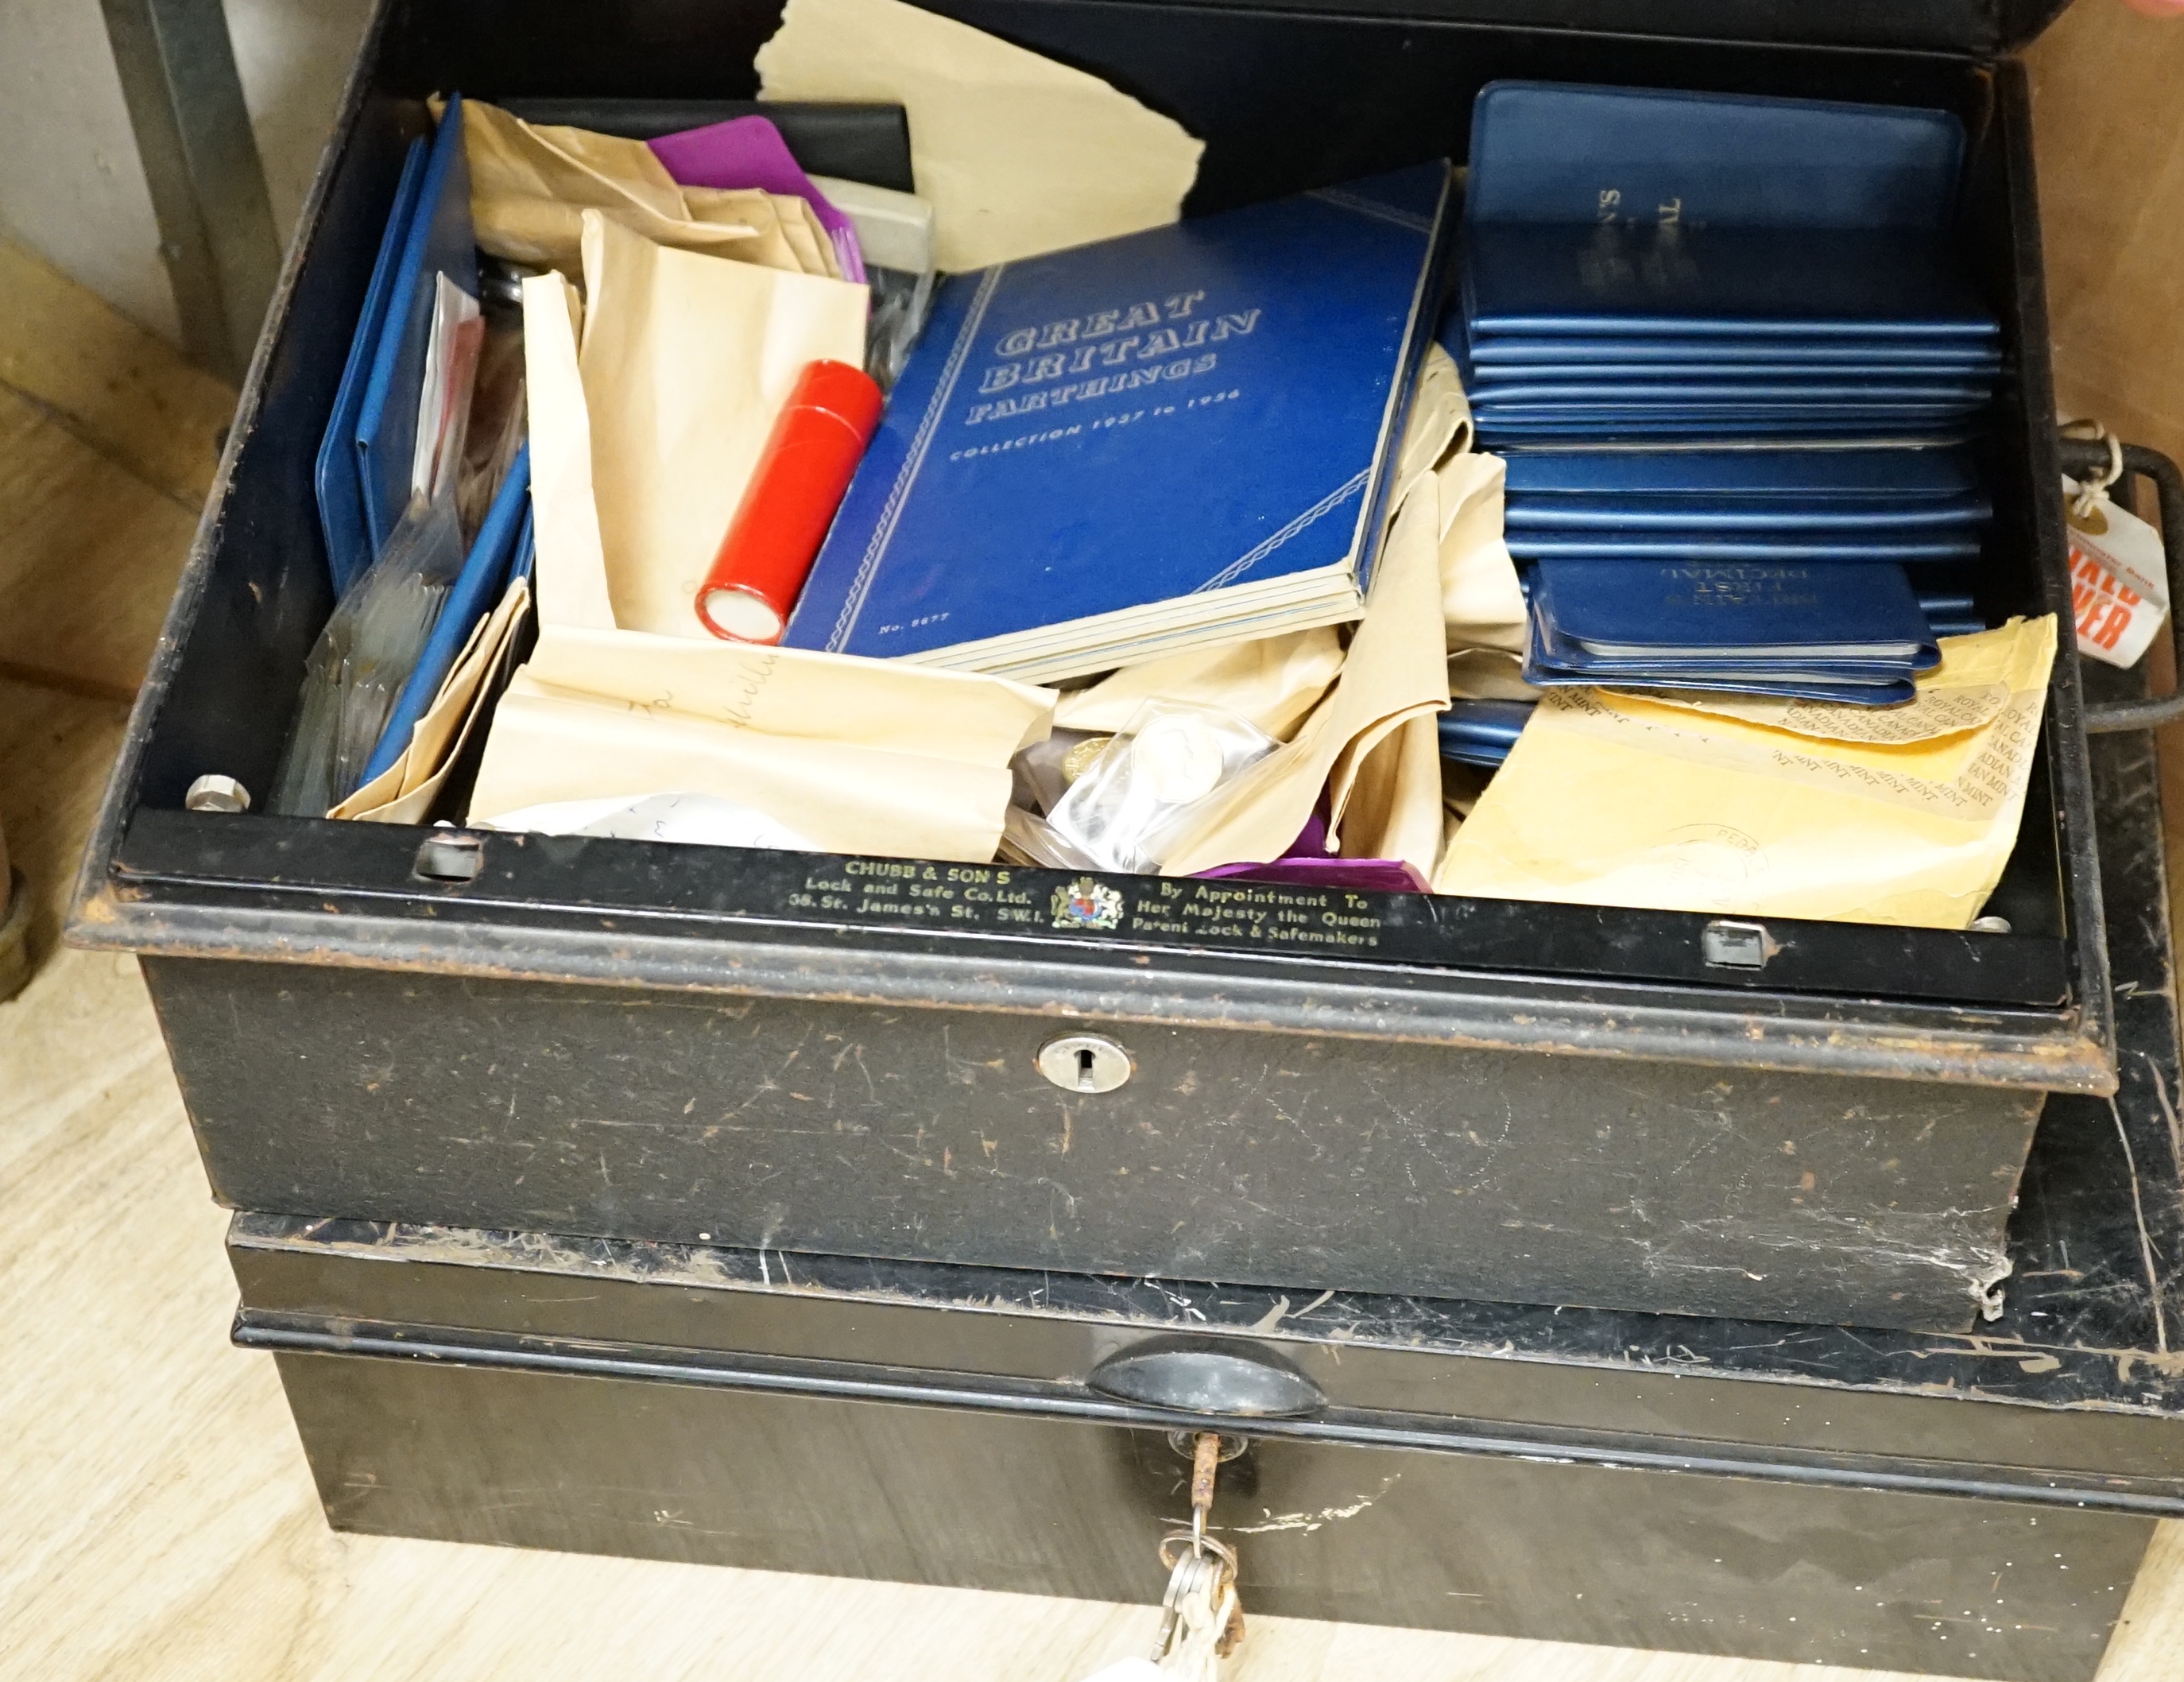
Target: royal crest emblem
1086,904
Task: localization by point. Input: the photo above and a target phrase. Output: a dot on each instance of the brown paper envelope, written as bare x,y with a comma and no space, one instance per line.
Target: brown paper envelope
1397,668
745,207
553,745
1611,800
801,694
686,361
1017,154
1440,418
1481,601
403,793
862,755
806,236
433,742
1403,666
529,185
570,570
1395,809
1275,682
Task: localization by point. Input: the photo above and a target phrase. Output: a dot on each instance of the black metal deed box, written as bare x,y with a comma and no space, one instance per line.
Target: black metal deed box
1483,1098
1889,1501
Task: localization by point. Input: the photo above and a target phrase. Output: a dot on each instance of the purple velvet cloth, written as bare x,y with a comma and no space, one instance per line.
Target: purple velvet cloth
1306,864
747,152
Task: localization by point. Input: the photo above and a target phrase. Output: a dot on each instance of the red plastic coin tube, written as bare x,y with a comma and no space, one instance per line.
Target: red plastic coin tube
813,450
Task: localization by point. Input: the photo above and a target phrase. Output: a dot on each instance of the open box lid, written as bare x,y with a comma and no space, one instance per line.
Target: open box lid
1980,29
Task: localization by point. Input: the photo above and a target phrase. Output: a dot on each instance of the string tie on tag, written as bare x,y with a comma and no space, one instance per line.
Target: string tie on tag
2090,492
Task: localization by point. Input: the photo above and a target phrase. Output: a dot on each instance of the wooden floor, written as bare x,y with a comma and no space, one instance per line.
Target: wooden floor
156,1517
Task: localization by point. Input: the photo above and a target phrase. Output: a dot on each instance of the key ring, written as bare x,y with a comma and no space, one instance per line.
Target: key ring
1198,1543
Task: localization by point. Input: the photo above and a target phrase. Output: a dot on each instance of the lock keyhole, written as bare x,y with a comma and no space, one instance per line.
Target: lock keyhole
1085,1062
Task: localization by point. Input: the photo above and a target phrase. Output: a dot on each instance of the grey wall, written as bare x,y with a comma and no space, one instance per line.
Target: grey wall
71,186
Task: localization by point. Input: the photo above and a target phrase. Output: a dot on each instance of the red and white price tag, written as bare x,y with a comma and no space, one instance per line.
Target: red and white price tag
2118,579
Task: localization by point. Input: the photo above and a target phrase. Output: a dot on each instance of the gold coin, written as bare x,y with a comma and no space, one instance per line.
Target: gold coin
1079,760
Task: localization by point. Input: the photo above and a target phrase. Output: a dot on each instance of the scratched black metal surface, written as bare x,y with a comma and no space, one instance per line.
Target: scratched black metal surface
2092,1316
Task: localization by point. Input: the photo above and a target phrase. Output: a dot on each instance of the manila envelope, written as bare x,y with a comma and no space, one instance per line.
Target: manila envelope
686,360
405,792
1609,799
531,183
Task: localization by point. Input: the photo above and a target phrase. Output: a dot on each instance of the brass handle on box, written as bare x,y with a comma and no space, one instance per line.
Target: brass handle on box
2088,458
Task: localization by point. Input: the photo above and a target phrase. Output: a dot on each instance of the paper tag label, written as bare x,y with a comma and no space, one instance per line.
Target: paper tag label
2119,587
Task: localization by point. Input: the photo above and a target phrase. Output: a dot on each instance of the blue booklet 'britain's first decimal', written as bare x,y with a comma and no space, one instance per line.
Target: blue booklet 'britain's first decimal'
1180,438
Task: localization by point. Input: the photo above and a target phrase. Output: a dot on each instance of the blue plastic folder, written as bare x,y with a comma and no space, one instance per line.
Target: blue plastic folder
1748,356
1833,515
1551,151
1532,281
439,241
1829,632
502,539
1482,732
1695,544
1855,476
341,494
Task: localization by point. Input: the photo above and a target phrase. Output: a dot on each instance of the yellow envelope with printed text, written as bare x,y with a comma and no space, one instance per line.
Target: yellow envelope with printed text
1888,816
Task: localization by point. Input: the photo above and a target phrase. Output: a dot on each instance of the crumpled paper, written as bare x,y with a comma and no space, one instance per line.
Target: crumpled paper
1017,154
1612,800
1371,742
1275,682
530,184
405,793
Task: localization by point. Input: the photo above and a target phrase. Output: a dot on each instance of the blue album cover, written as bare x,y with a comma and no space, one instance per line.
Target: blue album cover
1538,280
1553,660
340,492
1754,356
1683,612
1861,432
1863,548
1494,376
1484,720
440,242
1657,391
1548,152
1180,428
1832,515
1882,476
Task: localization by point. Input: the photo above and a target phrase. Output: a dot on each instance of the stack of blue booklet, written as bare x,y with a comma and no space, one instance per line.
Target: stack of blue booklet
1746,505
1729,350
1824,631
1130,449
1647,265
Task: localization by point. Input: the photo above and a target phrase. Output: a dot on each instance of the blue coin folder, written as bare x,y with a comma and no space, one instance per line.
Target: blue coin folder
439,241
336,476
